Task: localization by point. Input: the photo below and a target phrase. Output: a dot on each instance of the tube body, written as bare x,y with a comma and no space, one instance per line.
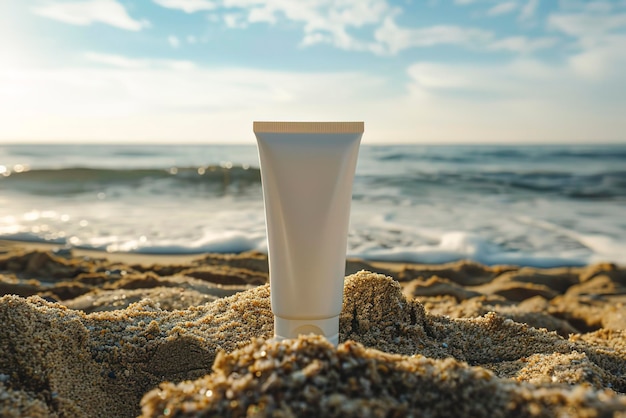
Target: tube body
307,171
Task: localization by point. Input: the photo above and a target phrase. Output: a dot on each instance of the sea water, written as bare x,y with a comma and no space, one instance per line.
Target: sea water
538,206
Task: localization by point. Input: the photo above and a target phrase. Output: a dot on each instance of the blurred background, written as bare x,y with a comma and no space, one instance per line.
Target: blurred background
495,130
416,70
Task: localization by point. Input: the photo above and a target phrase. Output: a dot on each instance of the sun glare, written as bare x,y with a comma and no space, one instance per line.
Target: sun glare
12,56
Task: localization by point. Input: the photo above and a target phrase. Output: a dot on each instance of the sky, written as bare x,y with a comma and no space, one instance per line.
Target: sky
416,71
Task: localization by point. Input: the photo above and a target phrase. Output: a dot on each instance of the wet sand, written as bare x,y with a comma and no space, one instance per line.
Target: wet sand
86,334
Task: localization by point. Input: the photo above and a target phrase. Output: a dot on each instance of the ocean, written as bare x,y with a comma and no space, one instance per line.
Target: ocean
541,206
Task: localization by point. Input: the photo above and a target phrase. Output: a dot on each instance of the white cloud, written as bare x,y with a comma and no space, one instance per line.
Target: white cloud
145,99
520,79
585,25
188,6
502,8
173,41
191,39
599,38
315,38
332,22
602,61
322,20
119,97
506,81
135,100
525,100
148,99
316,13
85,13
395,38
529,10
522,44
116,60
124,62
599,6
260,14
235,20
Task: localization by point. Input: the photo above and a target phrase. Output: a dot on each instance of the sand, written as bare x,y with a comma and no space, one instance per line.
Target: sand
90,335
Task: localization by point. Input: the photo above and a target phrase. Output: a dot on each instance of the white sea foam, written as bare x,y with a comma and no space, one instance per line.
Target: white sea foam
496,205
461,245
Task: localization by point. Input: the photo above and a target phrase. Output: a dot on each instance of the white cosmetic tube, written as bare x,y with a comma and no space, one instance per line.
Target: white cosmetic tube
307,171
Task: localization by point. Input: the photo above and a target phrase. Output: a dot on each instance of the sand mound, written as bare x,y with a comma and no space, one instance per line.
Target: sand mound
101,364
309,377
459,339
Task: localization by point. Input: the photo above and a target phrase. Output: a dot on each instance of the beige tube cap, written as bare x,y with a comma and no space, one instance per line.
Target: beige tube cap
290,328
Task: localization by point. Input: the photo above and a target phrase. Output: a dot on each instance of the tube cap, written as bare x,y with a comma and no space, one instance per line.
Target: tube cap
290,328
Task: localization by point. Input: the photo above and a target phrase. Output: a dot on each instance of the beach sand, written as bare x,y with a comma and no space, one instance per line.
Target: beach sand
88,334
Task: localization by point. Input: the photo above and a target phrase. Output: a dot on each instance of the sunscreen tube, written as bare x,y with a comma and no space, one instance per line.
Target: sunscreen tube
307,171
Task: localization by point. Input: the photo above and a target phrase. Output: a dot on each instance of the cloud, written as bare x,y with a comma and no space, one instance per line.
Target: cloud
533,101
187,6
599,38
143,99
603,61
83,13
322,21
395,38
316,13
136,99
235,20
586,25
503,81
524,78
591,6
128,63
259,14
529,10
522,44
327,22
333,23
149,99
173,41
116,60
502,8
572,96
